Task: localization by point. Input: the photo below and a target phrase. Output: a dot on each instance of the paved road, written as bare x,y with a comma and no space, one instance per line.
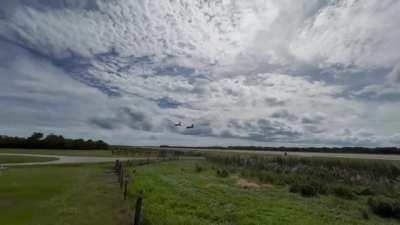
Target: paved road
68,159
302,154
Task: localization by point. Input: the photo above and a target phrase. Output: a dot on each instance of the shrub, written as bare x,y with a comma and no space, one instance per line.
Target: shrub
267,177
343,192
198,168
346,170
305,190
365,191
385,207
222,173
365,214
319,185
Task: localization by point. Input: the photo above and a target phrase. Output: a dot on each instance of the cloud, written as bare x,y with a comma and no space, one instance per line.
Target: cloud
394,76
284,114
313,120
105,123
274,102
350,34
244,71
260,130
380,92
125,116
36,95
323,33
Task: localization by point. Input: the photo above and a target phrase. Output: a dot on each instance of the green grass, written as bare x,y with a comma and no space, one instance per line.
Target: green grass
23,159
179,193
61,195
105,153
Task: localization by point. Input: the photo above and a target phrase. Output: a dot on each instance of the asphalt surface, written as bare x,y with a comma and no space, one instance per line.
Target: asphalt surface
62,159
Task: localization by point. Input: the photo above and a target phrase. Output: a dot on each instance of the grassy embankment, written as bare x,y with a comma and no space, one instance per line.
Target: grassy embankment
205,193
23,159
55,195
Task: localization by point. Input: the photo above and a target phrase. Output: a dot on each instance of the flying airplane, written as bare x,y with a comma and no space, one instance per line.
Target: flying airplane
190,127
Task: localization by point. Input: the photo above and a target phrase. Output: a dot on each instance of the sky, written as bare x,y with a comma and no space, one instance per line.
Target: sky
260,72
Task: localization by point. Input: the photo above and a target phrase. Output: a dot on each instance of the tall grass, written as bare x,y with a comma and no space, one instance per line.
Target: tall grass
350,171
344,178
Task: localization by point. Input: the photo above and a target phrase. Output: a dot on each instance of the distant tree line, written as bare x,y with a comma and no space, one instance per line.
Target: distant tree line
377,150
51,141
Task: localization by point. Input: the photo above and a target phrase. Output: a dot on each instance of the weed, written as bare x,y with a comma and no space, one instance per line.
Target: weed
343,192
222,173
385,207
305,190
198,168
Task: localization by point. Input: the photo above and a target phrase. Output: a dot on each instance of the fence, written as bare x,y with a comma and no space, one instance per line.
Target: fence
123,179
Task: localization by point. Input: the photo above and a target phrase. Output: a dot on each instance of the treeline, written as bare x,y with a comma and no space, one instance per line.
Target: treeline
377,150
51,141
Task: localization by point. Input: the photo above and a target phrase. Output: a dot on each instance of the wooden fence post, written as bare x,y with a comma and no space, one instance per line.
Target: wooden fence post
116,165
126,188
121,177
119,174
138,209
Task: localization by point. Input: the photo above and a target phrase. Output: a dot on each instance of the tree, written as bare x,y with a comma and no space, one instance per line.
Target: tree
36,136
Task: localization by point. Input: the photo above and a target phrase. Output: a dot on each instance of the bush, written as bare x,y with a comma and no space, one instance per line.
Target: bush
366,191
198,168
267,177
330,170
222,173
343,192
365,215
305,190
385,207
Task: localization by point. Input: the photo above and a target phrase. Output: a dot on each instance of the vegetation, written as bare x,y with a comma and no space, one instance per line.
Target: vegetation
149,152
225,189
23,159
176,193
348,179
343,192
222,173
103,153
344,170
306,190
112,152
49,195
386,207
378,150
51,141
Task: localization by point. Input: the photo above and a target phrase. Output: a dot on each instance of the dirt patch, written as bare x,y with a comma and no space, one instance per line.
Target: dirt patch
243,183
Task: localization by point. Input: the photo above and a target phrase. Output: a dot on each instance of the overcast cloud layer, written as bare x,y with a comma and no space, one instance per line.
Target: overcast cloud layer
260,72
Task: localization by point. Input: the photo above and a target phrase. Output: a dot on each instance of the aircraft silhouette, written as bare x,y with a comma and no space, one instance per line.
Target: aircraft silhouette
178,124
190,127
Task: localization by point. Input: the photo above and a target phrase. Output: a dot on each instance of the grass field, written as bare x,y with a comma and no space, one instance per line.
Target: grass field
23,159
55,195
105,153
131,152
191,193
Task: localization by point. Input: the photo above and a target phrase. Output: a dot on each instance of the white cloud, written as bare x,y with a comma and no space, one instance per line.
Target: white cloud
361,34
394,75
327,33
237,69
